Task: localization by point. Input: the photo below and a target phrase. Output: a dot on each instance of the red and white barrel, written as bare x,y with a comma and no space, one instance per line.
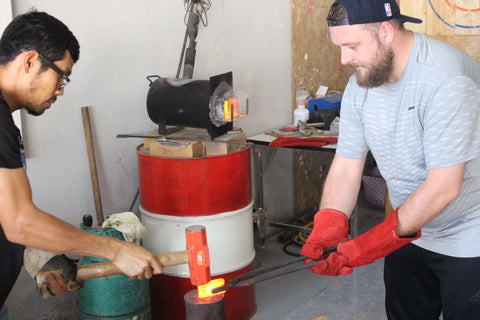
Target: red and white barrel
213,191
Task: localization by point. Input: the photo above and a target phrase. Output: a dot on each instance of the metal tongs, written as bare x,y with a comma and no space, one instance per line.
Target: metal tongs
171,141
158,138
270,272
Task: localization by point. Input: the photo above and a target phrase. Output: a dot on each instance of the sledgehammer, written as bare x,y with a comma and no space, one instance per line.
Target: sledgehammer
196,247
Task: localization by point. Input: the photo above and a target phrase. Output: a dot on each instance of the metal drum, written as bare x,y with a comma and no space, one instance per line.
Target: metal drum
116,297
213,191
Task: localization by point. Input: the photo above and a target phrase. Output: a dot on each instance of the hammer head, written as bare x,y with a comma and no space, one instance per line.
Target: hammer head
198,257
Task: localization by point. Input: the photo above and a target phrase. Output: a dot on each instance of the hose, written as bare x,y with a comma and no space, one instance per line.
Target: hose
298,240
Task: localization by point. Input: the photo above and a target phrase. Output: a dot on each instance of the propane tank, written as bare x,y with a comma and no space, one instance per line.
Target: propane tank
115,297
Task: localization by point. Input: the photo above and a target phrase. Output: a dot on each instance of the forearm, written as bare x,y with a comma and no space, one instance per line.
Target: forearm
402,226
51,234
438,190
41,230
23,223
342,185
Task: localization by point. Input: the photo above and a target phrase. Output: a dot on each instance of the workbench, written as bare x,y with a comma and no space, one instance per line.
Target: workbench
265,140
262,155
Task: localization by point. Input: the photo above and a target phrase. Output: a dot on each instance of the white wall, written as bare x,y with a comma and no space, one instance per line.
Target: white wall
123,41
5,13
5,18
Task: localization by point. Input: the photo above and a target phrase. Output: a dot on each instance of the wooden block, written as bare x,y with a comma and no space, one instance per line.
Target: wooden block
192,149
147,141
190,133
225,144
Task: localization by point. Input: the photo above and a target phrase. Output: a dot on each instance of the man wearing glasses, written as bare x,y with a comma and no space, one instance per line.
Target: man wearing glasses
37,53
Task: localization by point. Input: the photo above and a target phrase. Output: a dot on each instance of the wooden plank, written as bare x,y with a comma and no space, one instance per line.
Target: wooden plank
446,18
224,144
417,9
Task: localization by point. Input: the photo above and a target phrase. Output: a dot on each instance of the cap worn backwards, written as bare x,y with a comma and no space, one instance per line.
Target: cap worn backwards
369,11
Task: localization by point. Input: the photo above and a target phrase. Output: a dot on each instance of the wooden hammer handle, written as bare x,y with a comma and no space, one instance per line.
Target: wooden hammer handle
105,269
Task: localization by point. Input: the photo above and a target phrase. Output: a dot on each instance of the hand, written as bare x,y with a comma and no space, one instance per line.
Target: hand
335,265
330,227
135,261
55,283
377,243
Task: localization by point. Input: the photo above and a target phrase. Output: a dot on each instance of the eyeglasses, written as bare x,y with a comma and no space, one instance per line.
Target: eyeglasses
62,74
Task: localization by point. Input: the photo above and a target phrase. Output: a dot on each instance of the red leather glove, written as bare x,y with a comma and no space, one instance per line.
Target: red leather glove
330,227
376,243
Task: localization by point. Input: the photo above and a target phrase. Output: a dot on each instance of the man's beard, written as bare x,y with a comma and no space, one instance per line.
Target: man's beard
33,111
29,106
378,72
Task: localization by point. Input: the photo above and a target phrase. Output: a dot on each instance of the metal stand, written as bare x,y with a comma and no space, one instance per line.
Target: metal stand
259,167
262,156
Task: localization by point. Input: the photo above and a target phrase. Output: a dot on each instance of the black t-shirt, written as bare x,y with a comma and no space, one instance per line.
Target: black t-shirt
11,254
10,139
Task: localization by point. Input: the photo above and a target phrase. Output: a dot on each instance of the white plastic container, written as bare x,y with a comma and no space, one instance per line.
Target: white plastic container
300,113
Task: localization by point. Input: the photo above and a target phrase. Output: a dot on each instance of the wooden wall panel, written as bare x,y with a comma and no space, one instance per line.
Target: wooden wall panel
315,60
455,22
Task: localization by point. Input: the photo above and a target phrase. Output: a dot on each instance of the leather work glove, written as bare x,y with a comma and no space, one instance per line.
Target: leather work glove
53,283
56,283
330,227
376,243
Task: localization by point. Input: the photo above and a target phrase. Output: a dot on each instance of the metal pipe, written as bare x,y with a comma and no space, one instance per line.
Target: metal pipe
190,53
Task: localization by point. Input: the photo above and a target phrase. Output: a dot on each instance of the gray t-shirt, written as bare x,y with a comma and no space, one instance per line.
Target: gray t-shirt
428,119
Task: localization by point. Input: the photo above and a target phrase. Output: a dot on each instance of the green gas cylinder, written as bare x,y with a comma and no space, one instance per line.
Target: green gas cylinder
116,297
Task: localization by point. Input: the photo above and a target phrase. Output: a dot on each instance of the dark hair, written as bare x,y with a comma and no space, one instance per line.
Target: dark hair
337,12
41,32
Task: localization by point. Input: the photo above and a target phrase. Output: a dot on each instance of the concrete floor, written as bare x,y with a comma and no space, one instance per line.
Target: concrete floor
25,303
300,296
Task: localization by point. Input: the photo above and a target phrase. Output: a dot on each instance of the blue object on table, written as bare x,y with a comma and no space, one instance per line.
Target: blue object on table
329,102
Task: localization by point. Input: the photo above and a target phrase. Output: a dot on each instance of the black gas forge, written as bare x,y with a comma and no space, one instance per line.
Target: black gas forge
209,104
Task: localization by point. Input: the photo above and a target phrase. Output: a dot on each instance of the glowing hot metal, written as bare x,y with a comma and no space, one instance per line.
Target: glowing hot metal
205,291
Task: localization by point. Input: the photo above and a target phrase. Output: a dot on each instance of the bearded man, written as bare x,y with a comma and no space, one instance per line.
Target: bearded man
414,103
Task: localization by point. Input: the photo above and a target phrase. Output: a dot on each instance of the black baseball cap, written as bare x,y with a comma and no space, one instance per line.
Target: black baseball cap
369,11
